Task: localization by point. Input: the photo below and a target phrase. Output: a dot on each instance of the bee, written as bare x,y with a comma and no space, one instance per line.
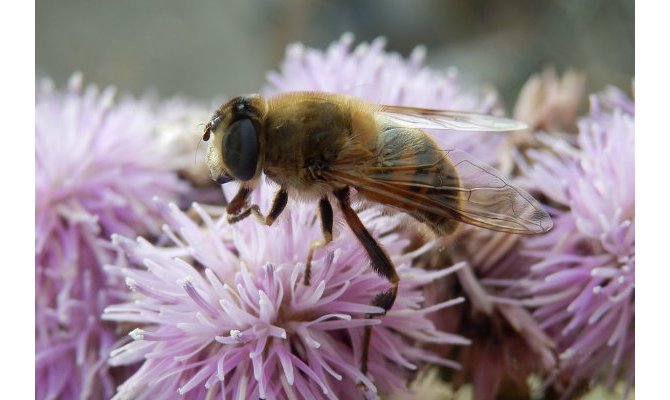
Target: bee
320,146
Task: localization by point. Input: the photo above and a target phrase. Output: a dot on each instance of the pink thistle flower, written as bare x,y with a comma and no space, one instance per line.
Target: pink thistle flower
508,345
97,168
224,313
584,286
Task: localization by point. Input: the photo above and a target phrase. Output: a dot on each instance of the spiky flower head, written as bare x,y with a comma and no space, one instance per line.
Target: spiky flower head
585,282
97,168
508,345
223,311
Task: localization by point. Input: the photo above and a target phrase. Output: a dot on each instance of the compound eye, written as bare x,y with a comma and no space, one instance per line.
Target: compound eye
240,149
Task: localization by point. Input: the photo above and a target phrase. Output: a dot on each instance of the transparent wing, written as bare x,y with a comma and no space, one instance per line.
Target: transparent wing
424,118
475,194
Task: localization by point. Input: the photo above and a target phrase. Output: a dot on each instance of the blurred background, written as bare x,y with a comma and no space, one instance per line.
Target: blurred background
208,48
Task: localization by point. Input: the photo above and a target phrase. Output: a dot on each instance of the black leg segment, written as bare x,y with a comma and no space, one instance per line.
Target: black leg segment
278,205
326,216
380,261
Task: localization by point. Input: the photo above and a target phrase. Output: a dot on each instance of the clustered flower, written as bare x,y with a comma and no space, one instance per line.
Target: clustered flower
505,337
219,318
142,294
97,168
584,282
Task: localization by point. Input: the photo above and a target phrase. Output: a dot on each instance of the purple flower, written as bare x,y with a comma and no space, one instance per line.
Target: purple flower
371,73
508,345
97,167
223,311
584,286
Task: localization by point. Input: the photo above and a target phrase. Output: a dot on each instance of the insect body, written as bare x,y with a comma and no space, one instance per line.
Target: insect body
318,146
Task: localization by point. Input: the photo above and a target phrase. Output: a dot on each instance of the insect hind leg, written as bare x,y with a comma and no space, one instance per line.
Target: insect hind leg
380,262
385,300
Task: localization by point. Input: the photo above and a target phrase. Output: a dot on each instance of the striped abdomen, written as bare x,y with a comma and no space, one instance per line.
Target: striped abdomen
414,175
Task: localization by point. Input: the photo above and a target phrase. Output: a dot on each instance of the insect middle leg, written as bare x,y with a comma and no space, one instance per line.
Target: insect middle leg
380,261
240,199
326,216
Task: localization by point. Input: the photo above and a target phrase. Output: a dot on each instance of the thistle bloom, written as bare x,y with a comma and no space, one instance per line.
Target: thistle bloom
223,311
585,284
508,345
371,73
97,168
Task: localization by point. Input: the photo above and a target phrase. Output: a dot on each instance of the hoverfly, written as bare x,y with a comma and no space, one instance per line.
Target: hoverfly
319,146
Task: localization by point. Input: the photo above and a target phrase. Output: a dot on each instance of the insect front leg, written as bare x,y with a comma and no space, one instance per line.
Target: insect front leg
380,261
238,202
326,216
278,205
